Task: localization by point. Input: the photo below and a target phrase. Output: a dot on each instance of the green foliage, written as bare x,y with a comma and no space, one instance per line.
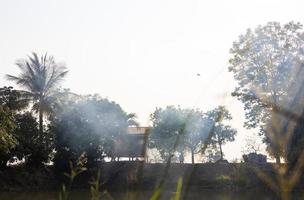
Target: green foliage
170,123
179,188
211,154
156,194
91,125
31,146
220,133
11,101
94,189
167,125
14,100
266,63
194,128
22,139
158,191
7,139
223,178
75,170
39,77
197,129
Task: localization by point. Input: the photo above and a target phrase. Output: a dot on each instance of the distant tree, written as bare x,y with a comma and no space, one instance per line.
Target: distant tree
266,62
168,125
197,130
91,125
221,133
252,144
171,124
39,77
212,154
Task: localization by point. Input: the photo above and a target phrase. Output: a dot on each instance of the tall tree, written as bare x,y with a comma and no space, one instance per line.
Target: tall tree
168,126
39,78
266,63
197,129
221,133
187,125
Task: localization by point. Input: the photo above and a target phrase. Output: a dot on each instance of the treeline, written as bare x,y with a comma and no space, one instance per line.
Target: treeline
41,123
177,131
74,125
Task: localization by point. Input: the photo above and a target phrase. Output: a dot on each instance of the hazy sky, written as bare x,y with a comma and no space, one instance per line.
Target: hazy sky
141,54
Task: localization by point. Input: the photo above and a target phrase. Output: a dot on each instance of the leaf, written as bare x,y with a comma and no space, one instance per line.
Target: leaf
178,189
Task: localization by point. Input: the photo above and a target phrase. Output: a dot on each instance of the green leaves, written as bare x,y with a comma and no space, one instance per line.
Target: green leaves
178,189
158,191
89,124
7,139
194,128
75,170
267,64
40,78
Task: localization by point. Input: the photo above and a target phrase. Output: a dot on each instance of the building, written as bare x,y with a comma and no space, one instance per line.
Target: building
132,145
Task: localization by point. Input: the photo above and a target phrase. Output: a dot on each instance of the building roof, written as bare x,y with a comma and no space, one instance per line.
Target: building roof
137,130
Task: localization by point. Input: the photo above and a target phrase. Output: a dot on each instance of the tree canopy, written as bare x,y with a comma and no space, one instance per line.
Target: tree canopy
11,102
221,133
267,65
192,129
39,78
7,139
90,125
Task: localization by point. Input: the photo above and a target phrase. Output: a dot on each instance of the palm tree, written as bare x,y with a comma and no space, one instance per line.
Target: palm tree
40,78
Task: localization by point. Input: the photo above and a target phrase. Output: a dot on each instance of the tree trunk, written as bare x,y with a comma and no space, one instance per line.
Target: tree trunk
40,122
220,145
40,116
192,156
221,151
222,157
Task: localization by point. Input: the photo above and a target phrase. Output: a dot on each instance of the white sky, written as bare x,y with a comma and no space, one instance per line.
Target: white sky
141,54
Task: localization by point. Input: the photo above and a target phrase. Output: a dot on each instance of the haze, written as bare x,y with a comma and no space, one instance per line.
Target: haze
141,54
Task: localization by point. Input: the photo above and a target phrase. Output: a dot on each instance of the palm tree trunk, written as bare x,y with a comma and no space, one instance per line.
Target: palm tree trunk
40,122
